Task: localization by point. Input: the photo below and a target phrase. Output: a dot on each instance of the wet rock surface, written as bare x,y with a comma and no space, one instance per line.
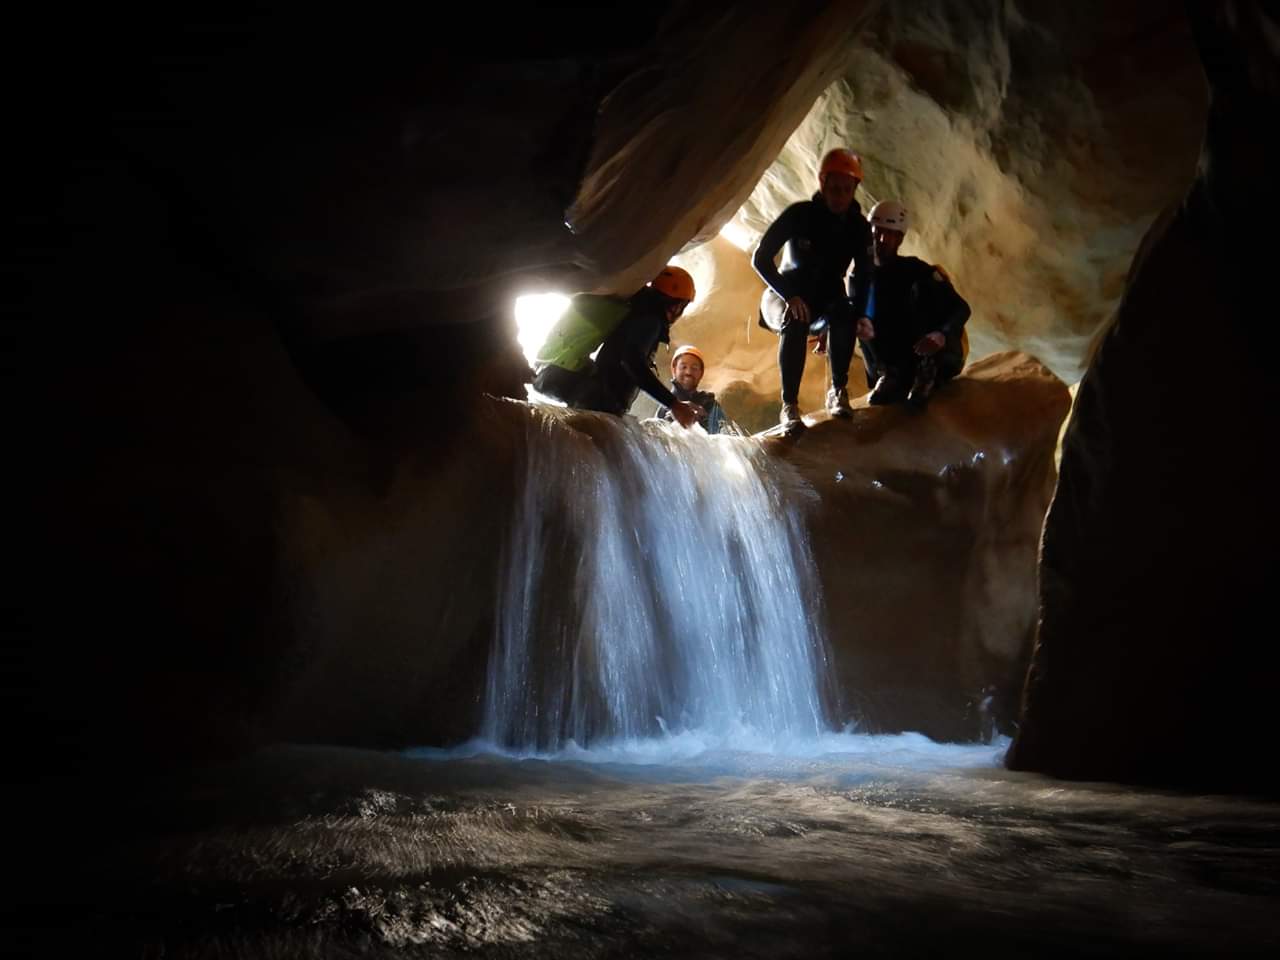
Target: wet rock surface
926,532
1162,527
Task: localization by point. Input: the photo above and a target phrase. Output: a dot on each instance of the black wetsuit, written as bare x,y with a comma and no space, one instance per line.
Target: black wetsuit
908,299
820,247
703,398
623,365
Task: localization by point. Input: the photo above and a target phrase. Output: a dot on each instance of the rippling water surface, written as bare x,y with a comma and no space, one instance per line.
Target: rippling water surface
712,812
882,845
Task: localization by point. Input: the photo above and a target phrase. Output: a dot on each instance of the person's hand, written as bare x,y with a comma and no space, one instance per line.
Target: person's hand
819,342
930,344
864,329
797,312
687,414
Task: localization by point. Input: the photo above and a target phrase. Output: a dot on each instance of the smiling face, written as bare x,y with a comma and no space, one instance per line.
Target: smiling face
687,372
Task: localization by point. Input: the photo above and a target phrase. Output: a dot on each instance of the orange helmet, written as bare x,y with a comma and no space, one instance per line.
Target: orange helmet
675,283
688,350
840,160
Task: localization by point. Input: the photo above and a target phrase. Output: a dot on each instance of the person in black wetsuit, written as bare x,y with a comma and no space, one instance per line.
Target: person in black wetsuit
687,368
808,295
627,333
913,332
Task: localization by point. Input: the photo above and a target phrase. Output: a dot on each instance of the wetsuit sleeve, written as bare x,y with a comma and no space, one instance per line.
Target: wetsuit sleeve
648,381
642,335
779,232
858,283
945,302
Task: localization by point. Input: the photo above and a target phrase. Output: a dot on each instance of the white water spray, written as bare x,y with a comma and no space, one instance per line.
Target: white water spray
656,581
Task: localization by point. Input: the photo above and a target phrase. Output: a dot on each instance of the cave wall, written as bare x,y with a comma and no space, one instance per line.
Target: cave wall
267,266
265,269
925,530
1034,144
1152,662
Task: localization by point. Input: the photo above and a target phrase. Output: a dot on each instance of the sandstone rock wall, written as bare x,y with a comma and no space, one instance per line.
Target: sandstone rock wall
1153,660
924,529
926,533
1033,146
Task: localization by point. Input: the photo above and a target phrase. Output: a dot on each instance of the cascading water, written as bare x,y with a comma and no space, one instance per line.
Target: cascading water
660,579
655,581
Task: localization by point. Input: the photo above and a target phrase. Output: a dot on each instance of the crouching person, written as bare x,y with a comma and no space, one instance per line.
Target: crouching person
912,332
627,333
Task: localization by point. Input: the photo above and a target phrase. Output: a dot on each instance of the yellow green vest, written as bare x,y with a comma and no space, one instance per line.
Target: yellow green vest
582,327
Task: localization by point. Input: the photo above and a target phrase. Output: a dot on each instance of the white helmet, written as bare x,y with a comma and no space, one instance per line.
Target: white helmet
889,215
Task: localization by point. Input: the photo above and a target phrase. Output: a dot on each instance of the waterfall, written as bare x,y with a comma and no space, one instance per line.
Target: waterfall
654,581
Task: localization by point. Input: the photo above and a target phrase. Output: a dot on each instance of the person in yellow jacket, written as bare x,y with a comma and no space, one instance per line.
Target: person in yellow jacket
628,332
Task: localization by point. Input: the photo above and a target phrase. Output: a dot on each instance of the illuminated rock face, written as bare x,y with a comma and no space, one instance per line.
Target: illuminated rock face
1154,659
1033,148
680,145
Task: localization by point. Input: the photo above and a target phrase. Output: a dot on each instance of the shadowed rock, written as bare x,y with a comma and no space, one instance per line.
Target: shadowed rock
1153,658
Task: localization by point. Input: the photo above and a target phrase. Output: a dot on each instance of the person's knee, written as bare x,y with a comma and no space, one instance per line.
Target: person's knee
841,339
949,365
794,330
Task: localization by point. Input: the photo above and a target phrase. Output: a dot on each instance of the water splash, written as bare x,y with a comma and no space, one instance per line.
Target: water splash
656,581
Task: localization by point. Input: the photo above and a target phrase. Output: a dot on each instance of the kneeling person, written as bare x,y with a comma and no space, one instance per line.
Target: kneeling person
628,332
912,334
